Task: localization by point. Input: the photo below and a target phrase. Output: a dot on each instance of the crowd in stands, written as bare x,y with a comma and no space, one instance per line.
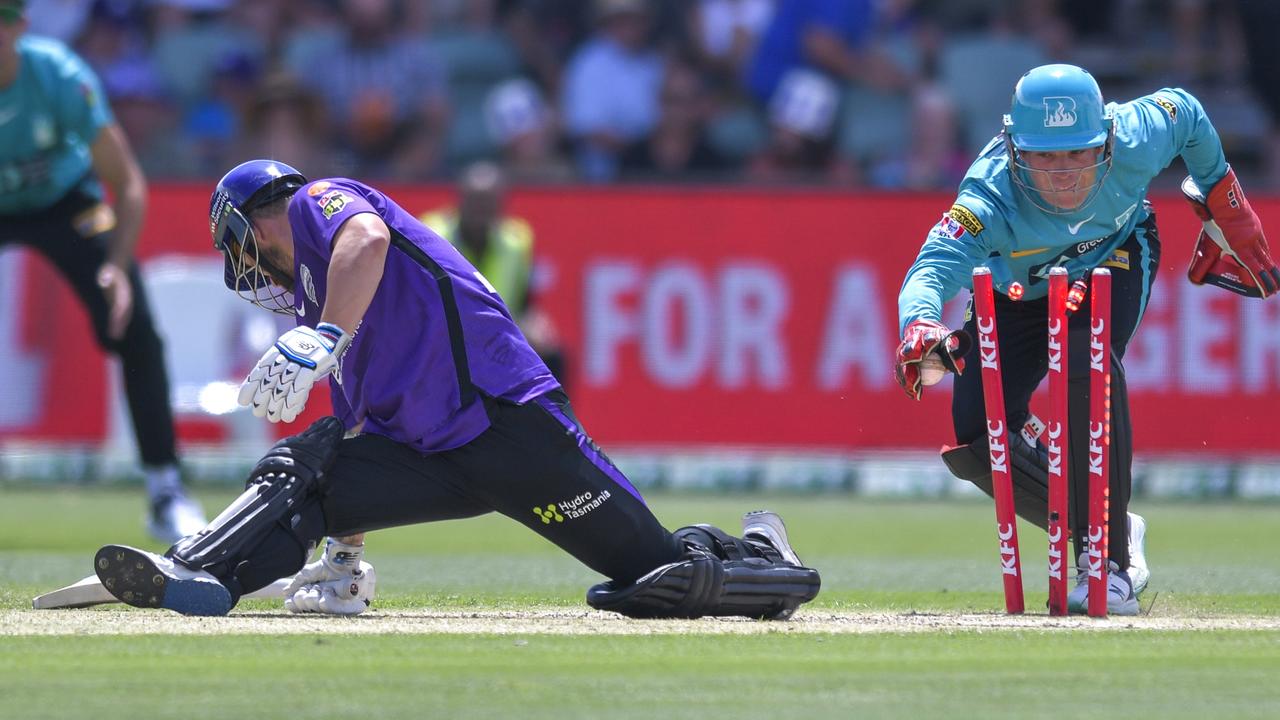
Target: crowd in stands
892,94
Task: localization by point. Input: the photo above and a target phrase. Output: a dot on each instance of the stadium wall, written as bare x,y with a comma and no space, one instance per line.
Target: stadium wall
718,338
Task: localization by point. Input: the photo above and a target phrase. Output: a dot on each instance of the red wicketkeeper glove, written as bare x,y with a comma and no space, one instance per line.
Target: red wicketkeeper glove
921,338
1231,251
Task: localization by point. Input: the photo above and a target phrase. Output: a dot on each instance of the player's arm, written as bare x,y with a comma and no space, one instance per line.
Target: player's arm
1231,251
278,386
115,164
950,252
359,255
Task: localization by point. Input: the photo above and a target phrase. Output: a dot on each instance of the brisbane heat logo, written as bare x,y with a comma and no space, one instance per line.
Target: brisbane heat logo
1059,112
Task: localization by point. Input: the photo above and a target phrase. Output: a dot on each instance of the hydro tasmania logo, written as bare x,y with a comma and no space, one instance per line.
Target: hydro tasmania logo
571,509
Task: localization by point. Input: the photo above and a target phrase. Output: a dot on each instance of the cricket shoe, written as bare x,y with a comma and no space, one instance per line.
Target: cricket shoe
767,526
146,580
1121,600
174,517
1139,573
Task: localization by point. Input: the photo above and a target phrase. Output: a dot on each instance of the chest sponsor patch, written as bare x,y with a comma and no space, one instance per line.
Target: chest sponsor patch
1119,260
332,202
966,218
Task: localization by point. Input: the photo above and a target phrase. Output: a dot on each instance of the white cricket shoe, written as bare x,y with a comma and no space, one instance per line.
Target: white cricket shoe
1121,600
174,517
1139,573
767,525
146,580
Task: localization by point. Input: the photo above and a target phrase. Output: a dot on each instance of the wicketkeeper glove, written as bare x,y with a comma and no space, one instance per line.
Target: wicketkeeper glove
279,384
1231,251
919,339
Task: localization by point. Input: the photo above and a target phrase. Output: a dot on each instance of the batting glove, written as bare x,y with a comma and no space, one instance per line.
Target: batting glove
350,595
279,384
333,583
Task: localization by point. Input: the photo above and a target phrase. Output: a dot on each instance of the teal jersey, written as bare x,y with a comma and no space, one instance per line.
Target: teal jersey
49,118
993,223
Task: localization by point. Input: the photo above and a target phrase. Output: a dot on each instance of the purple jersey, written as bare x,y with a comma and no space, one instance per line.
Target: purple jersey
434,335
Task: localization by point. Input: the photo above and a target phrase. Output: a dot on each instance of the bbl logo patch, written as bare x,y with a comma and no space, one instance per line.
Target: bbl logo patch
1059,112
332,202
318,188
966,218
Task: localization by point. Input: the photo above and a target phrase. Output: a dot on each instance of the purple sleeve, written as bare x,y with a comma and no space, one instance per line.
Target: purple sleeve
319,210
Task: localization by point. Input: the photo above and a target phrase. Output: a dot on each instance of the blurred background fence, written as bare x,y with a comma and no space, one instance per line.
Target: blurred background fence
716,339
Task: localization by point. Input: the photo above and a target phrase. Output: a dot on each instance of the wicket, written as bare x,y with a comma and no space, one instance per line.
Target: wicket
1060,301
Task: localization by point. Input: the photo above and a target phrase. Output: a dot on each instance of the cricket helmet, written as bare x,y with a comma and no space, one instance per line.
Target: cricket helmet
1056,108
245,188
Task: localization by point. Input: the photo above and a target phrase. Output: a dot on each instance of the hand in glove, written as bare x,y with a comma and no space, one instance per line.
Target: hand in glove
1231,251
278,386
339,583
925,339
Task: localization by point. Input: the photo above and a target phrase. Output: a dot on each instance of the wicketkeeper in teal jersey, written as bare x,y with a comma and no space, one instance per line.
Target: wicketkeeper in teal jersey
1065,184
58,145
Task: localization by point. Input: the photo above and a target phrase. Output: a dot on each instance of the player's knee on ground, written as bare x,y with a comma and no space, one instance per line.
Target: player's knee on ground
718,575
268,532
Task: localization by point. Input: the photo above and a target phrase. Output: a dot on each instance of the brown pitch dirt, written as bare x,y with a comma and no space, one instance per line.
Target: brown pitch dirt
126,621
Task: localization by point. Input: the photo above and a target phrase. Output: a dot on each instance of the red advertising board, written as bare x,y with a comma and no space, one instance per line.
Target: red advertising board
735,317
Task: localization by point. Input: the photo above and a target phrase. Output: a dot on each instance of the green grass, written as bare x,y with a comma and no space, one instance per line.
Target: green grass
1022,674
1215,559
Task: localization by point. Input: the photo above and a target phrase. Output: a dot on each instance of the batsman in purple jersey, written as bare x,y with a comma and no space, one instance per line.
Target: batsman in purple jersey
443,411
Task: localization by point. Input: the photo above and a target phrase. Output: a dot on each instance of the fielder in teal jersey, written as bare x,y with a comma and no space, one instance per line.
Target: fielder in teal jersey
1065,184
57,140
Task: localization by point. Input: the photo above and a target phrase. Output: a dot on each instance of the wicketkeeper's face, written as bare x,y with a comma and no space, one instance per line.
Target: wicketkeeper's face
1064,178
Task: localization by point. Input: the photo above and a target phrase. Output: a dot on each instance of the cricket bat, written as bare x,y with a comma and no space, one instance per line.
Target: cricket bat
89,592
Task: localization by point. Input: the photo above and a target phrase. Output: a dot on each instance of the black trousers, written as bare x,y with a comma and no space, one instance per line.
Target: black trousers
1022,327
535,464
55,234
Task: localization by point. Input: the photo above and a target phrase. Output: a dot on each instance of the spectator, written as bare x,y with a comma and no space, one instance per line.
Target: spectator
832,37
545,33
611,87
802,117
286,119
526,133
146,114
385,91
726,32
678,147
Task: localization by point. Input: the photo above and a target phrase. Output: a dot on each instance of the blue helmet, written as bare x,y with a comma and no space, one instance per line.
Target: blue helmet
244,189
1056,108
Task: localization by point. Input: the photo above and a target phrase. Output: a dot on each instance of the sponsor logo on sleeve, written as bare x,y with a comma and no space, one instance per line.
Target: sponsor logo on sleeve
1169,107
966,218
332,202
317,188
949,228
